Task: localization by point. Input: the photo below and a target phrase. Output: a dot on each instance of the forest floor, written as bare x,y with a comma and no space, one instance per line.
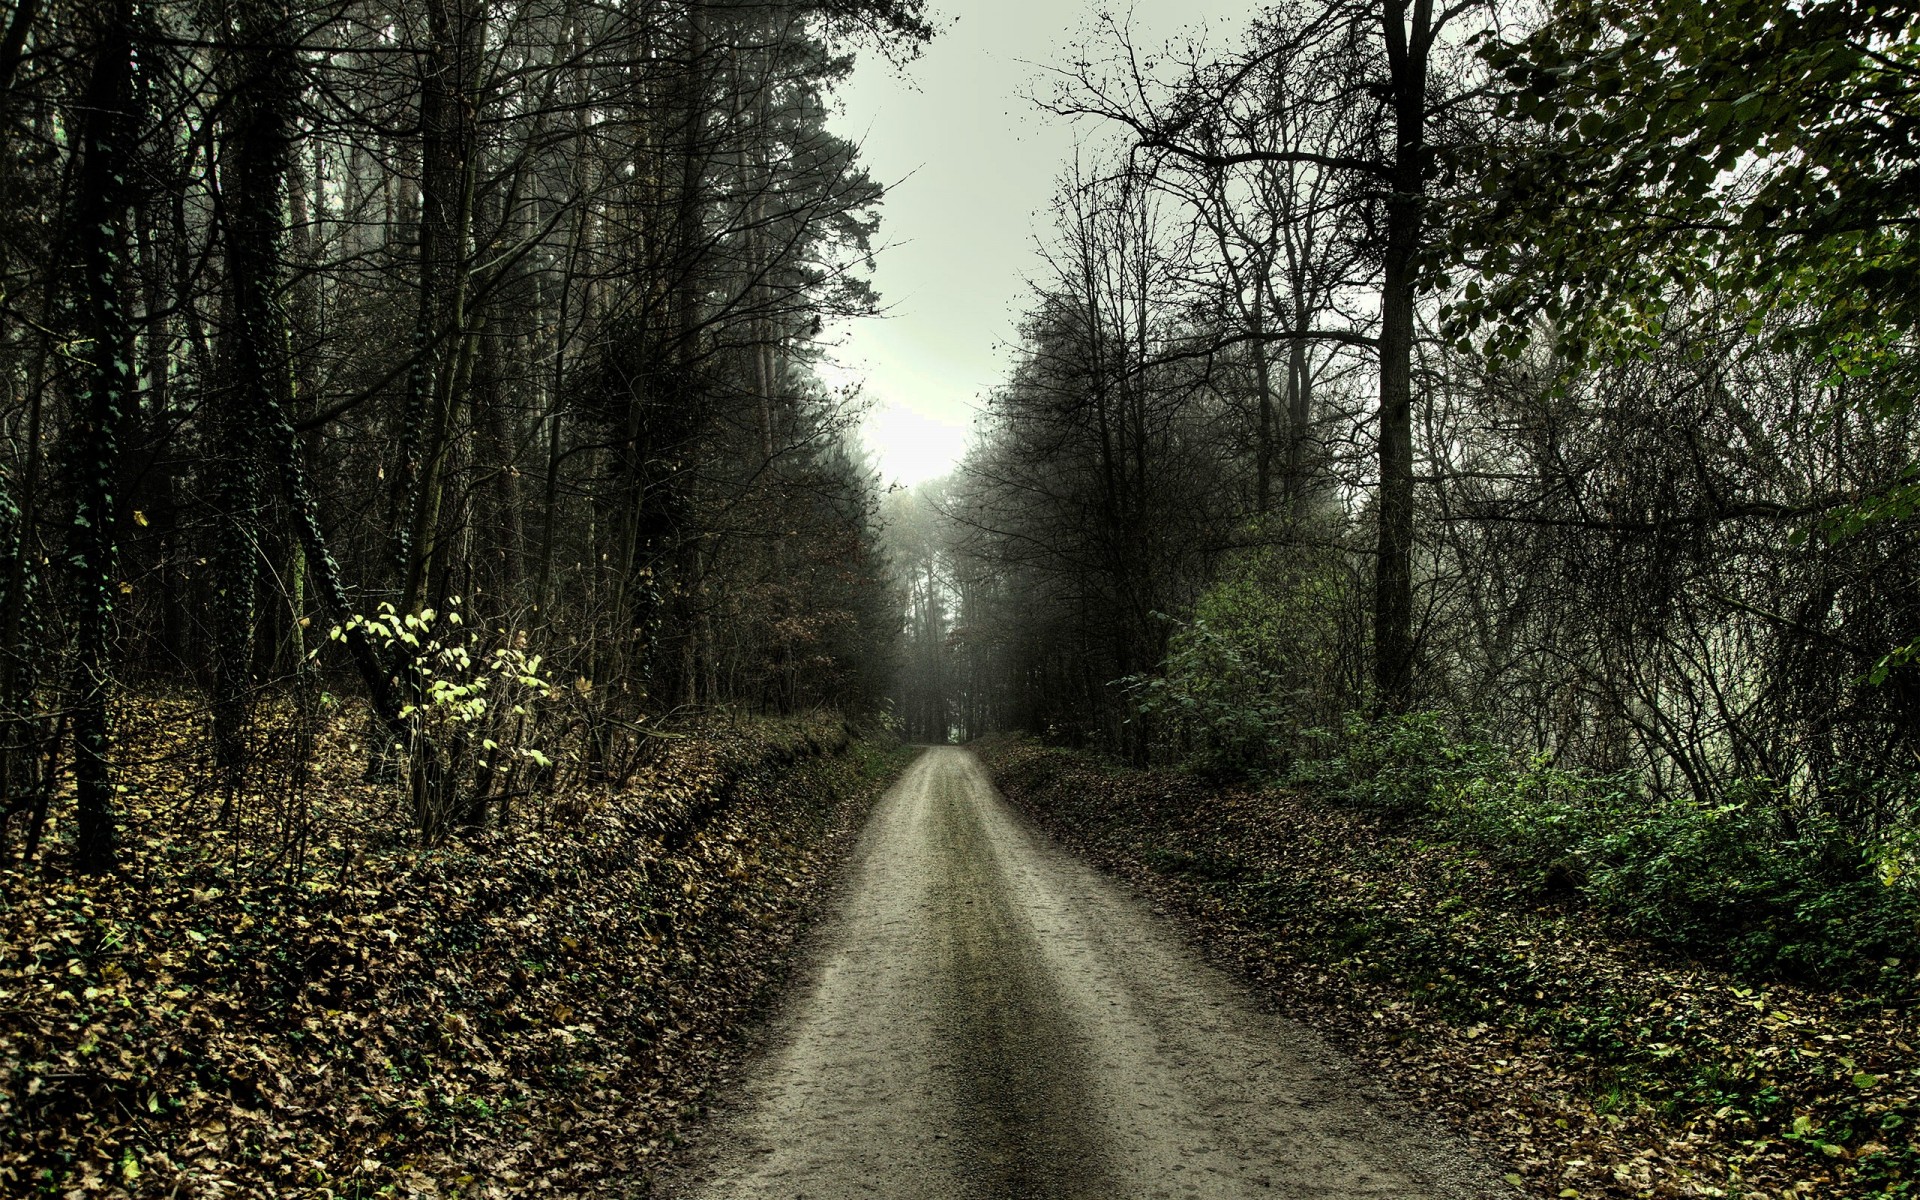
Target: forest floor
987,1017
1592,1065
522,1012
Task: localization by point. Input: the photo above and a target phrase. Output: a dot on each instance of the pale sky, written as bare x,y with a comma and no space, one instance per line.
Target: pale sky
970,165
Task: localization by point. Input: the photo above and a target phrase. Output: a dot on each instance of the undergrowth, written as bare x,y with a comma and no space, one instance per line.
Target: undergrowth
1759,881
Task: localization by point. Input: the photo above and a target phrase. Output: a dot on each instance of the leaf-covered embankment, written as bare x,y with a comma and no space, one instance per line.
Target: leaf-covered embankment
506,1015
1592,1064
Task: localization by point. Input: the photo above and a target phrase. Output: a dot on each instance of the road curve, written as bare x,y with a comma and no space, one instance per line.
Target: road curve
988,1018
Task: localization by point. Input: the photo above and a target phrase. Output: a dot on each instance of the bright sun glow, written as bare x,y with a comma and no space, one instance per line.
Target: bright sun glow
913,445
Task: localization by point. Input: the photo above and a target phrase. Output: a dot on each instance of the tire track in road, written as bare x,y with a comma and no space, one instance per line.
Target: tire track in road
1021,1070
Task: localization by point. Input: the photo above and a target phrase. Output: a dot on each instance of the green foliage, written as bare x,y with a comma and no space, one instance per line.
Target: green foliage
1755,147
1538,815
1742,881
1753,879
1255,666
1218,701
1754,158
1399,766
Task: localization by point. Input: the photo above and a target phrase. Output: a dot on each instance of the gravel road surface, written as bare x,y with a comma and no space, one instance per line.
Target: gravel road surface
986,1017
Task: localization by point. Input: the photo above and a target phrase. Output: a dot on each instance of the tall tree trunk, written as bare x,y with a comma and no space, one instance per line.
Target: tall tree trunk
253,166
109,135
13,44
503,475
441,345
22,784
1299,411
661,421
163,484
1407,46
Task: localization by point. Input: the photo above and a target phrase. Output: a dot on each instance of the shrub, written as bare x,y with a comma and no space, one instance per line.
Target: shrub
1540,815
1395,766
1225,711
1258,662
1749,879
1769,893
472,716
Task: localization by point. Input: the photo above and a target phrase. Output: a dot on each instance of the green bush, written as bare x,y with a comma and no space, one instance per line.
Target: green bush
1395,766
1751,876
1751,879
1224,711
1539,815
1740,881
1257,662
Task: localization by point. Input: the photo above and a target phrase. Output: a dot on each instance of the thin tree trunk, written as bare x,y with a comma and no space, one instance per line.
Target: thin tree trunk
1299,412
1263,386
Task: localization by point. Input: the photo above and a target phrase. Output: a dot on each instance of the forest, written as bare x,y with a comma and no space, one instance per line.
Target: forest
409,435
435,348
1502,415
1453,504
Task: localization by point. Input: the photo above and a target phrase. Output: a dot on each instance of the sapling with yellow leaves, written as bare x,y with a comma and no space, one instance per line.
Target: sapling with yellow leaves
471,724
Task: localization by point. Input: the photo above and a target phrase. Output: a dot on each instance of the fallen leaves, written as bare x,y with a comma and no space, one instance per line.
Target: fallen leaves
526,1011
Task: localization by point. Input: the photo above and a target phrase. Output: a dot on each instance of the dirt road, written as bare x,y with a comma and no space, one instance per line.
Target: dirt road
987,1017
